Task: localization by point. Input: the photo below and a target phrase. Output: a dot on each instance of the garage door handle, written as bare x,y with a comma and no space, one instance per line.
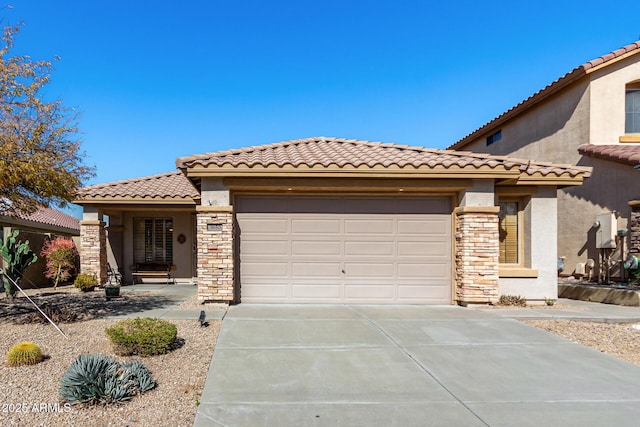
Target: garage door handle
342,271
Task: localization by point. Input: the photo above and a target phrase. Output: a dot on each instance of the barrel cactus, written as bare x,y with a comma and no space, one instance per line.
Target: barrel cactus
24,353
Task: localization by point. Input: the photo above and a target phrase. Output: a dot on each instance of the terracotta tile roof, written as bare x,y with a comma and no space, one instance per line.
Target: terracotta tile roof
51,217
167,186
628,154
351,153
548,90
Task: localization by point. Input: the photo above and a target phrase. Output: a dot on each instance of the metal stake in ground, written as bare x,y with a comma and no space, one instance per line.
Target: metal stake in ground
34,304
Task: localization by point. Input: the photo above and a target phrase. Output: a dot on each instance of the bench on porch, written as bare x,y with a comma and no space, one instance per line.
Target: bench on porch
152,269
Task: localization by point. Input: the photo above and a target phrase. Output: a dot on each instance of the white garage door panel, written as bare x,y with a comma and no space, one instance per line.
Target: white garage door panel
425,272
425,227
430,248
344,249
265,269
315,269
430,293
308,247
368,226
271,247
379,270
316,291
267,291
316,225
370,292
264,225
369,248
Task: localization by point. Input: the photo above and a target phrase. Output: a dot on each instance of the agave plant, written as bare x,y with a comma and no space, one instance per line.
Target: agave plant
96,378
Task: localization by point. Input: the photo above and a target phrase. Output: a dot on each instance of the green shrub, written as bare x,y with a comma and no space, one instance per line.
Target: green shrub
142,336
513,300
549,301
85,282
95,378
24,353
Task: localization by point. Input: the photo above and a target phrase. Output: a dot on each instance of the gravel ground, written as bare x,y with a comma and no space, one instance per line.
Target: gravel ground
180,374
621,340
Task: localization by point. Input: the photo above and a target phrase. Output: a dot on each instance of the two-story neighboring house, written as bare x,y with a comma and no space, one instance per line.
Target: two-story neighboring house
588,117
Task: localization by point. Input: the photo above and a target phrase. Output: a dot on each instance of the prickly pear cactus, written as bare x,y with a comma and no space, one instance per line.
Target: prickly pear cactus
17,256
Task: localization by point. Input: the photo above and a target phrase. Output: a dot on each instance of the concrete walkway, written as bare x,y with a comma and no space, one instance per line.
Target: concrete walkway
575,310
165,306
297,365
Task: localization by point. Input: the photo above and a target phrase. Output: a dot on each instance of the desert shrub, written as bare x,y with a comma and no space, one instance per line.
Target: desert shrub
24,353
58,314
61,255
516,300
85,282
144,336
96,378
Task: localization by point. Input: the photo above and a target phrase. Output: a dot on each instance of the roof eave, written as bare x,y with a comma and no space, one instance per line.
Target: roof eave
39,226
337,172
552,180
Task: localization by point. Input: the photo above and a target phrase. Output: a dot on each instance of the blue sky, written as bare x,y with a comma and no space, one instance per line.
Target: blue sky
156,80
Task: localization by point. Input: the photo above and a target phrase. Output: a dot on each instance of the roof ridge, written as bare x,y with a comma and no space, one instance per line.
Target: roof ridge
180,161
131,180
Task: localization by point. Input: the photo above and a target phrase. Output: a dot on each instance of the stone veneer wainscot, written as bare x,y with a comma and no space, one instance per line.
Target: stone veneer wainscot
477,255
93,250
215,254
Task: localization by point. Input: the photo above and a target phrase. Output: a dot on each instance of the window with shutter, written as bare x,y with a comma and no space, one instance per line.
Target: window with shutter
153,239
509,224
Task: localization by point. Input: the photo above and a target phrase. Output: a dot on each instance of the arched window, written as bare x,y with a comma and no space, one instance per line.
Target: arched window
632,108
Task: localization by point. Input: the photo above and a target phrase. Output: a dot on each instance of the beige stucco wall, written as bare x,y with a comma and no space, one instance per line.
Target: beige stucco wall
608,99
540,228
480,194
549,132
611,187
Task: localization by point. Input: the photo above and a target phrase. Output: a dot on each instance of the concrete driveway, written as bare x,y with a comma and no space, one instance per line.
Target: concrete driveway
306,365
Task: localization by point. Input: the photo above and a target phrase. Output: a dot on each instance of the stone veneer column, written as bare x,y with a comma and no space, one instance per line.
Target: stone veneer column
214,236
477,255
93,249
634,228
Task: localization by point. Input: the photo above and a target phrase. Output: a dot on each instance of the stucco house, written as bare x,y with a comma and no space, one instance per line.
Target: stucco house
44,223
330,220
588,117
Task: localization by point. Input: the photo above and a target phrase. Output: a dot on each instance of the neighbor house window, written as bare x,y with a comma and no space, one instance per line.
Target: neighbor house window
153,239
509,229
632,109
494,138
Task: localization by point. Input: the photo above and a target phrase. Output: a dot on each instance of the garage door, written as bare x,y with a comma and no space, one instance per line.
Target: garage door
357,250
